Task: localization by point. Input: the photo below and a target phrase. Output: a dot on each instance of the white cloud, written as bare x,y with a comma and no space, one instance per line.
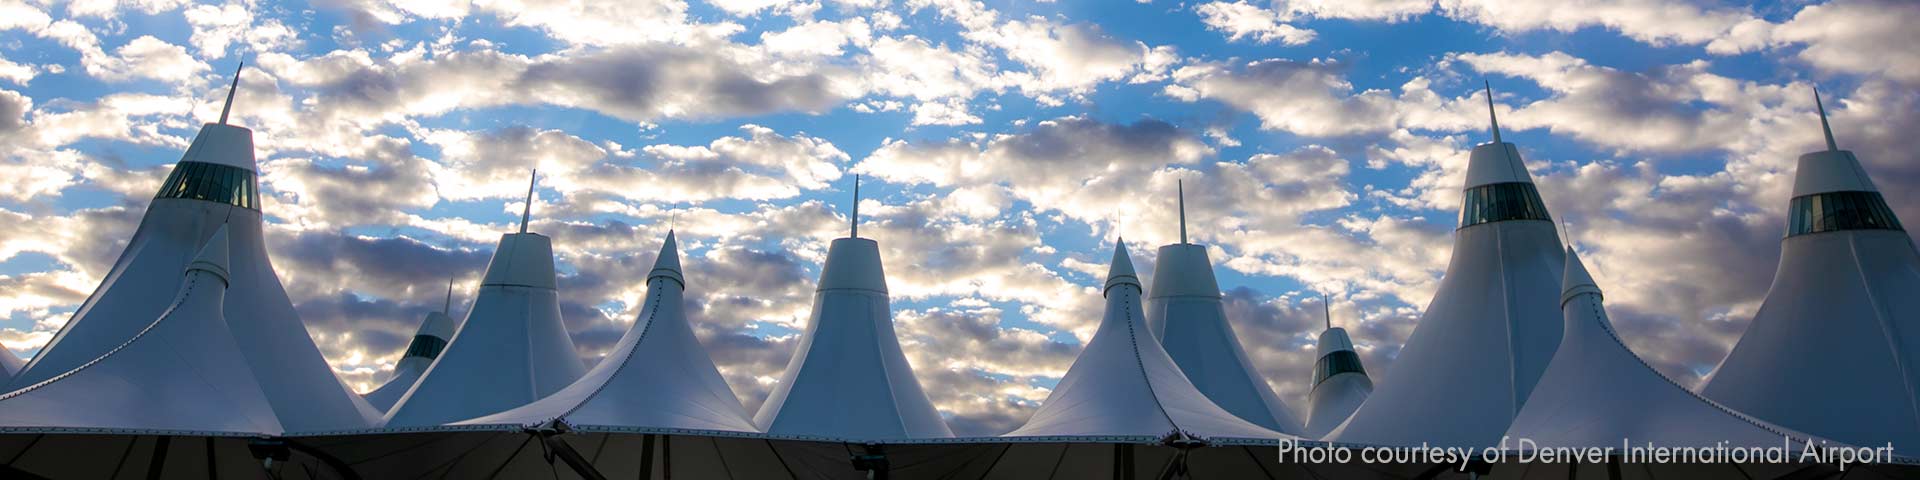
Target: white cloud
952,111
217,28
1857,37
1240,21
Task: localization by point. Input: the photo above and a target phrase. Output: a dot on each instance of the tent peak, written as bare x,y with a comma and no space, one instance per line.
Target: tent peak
667,263
1121,269
213,256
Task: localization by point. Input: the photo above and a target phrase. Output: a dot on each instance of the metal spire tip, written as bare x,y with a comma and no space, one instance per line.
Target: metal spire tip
1492,115
527,212
1824,127
228,108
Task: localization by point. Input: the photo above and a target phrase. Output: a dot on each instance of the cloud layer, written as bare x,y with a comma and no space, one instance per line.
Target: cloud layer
1005,149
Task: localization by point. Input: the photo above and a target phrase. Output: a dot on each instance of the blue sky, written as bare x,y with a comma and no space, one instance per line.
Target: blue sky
1004,144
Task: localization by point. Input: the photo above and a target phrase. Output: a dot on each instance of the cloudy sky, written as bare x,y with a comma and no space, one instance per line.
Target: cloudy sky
1005,146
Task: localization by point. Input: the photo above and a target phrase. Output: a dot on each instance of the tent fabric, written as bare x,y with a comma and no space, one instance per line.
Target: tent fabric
1597,393
10,364
1124,385
1333,399
411,365
305,393
1187,316
657,376
511,350
182,373
1830,351
848,377
1484,340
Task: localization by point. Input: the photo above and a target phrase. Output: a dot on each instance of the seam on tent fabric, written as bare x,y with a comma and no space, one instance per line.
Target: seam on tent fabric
116,349
1886,329
1506,309
1134,342
893,398
653,311
1607,326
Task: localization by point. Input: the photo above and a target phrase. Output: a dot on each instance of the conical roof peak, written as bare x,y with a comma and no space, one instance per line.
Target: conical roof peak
1120,271
213,256
1576,280
667,263
1829,170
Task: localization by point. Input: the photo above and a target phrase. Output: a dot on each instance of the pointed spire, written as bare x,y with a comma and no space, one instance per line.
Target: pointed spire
1824,128
855,218
1182,187
1121,270
1492,116
527,212
1576,280
213,256
236,86
447,308
667,263
1326,310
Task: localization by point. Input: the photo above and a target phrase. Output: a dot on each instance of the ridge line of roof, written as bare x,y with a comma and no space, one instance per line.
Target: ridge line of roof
653,312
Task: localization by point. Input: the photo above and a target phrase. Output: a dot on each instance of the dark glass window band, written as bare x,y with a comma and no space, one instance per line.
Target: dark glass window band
1836,211
1500,202
426,346
212,182
1337,363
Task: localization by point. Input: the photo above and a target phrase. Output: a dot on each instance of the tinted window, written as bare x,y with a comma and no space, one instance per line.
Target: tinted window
213,183
1501,202
1337,363
427,346
1834,211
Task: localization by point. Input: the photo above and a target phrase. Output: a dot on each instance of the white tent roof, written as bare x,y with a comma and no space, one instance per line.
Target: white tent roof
658,378
511,350
10,364
1188,317
1488,334
201,196
1596,392
1829,351
848,377
427,343
1335,397
182,372
1125,385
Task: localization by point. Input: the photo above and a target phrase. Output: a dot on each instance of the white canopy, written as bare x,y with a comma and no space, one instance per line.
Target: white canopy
1125,386
1830,351
1492,326
658,378
181,373
1188,317
511,350
1340,384
212,187
426,346
1597,393
10,364
848,378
